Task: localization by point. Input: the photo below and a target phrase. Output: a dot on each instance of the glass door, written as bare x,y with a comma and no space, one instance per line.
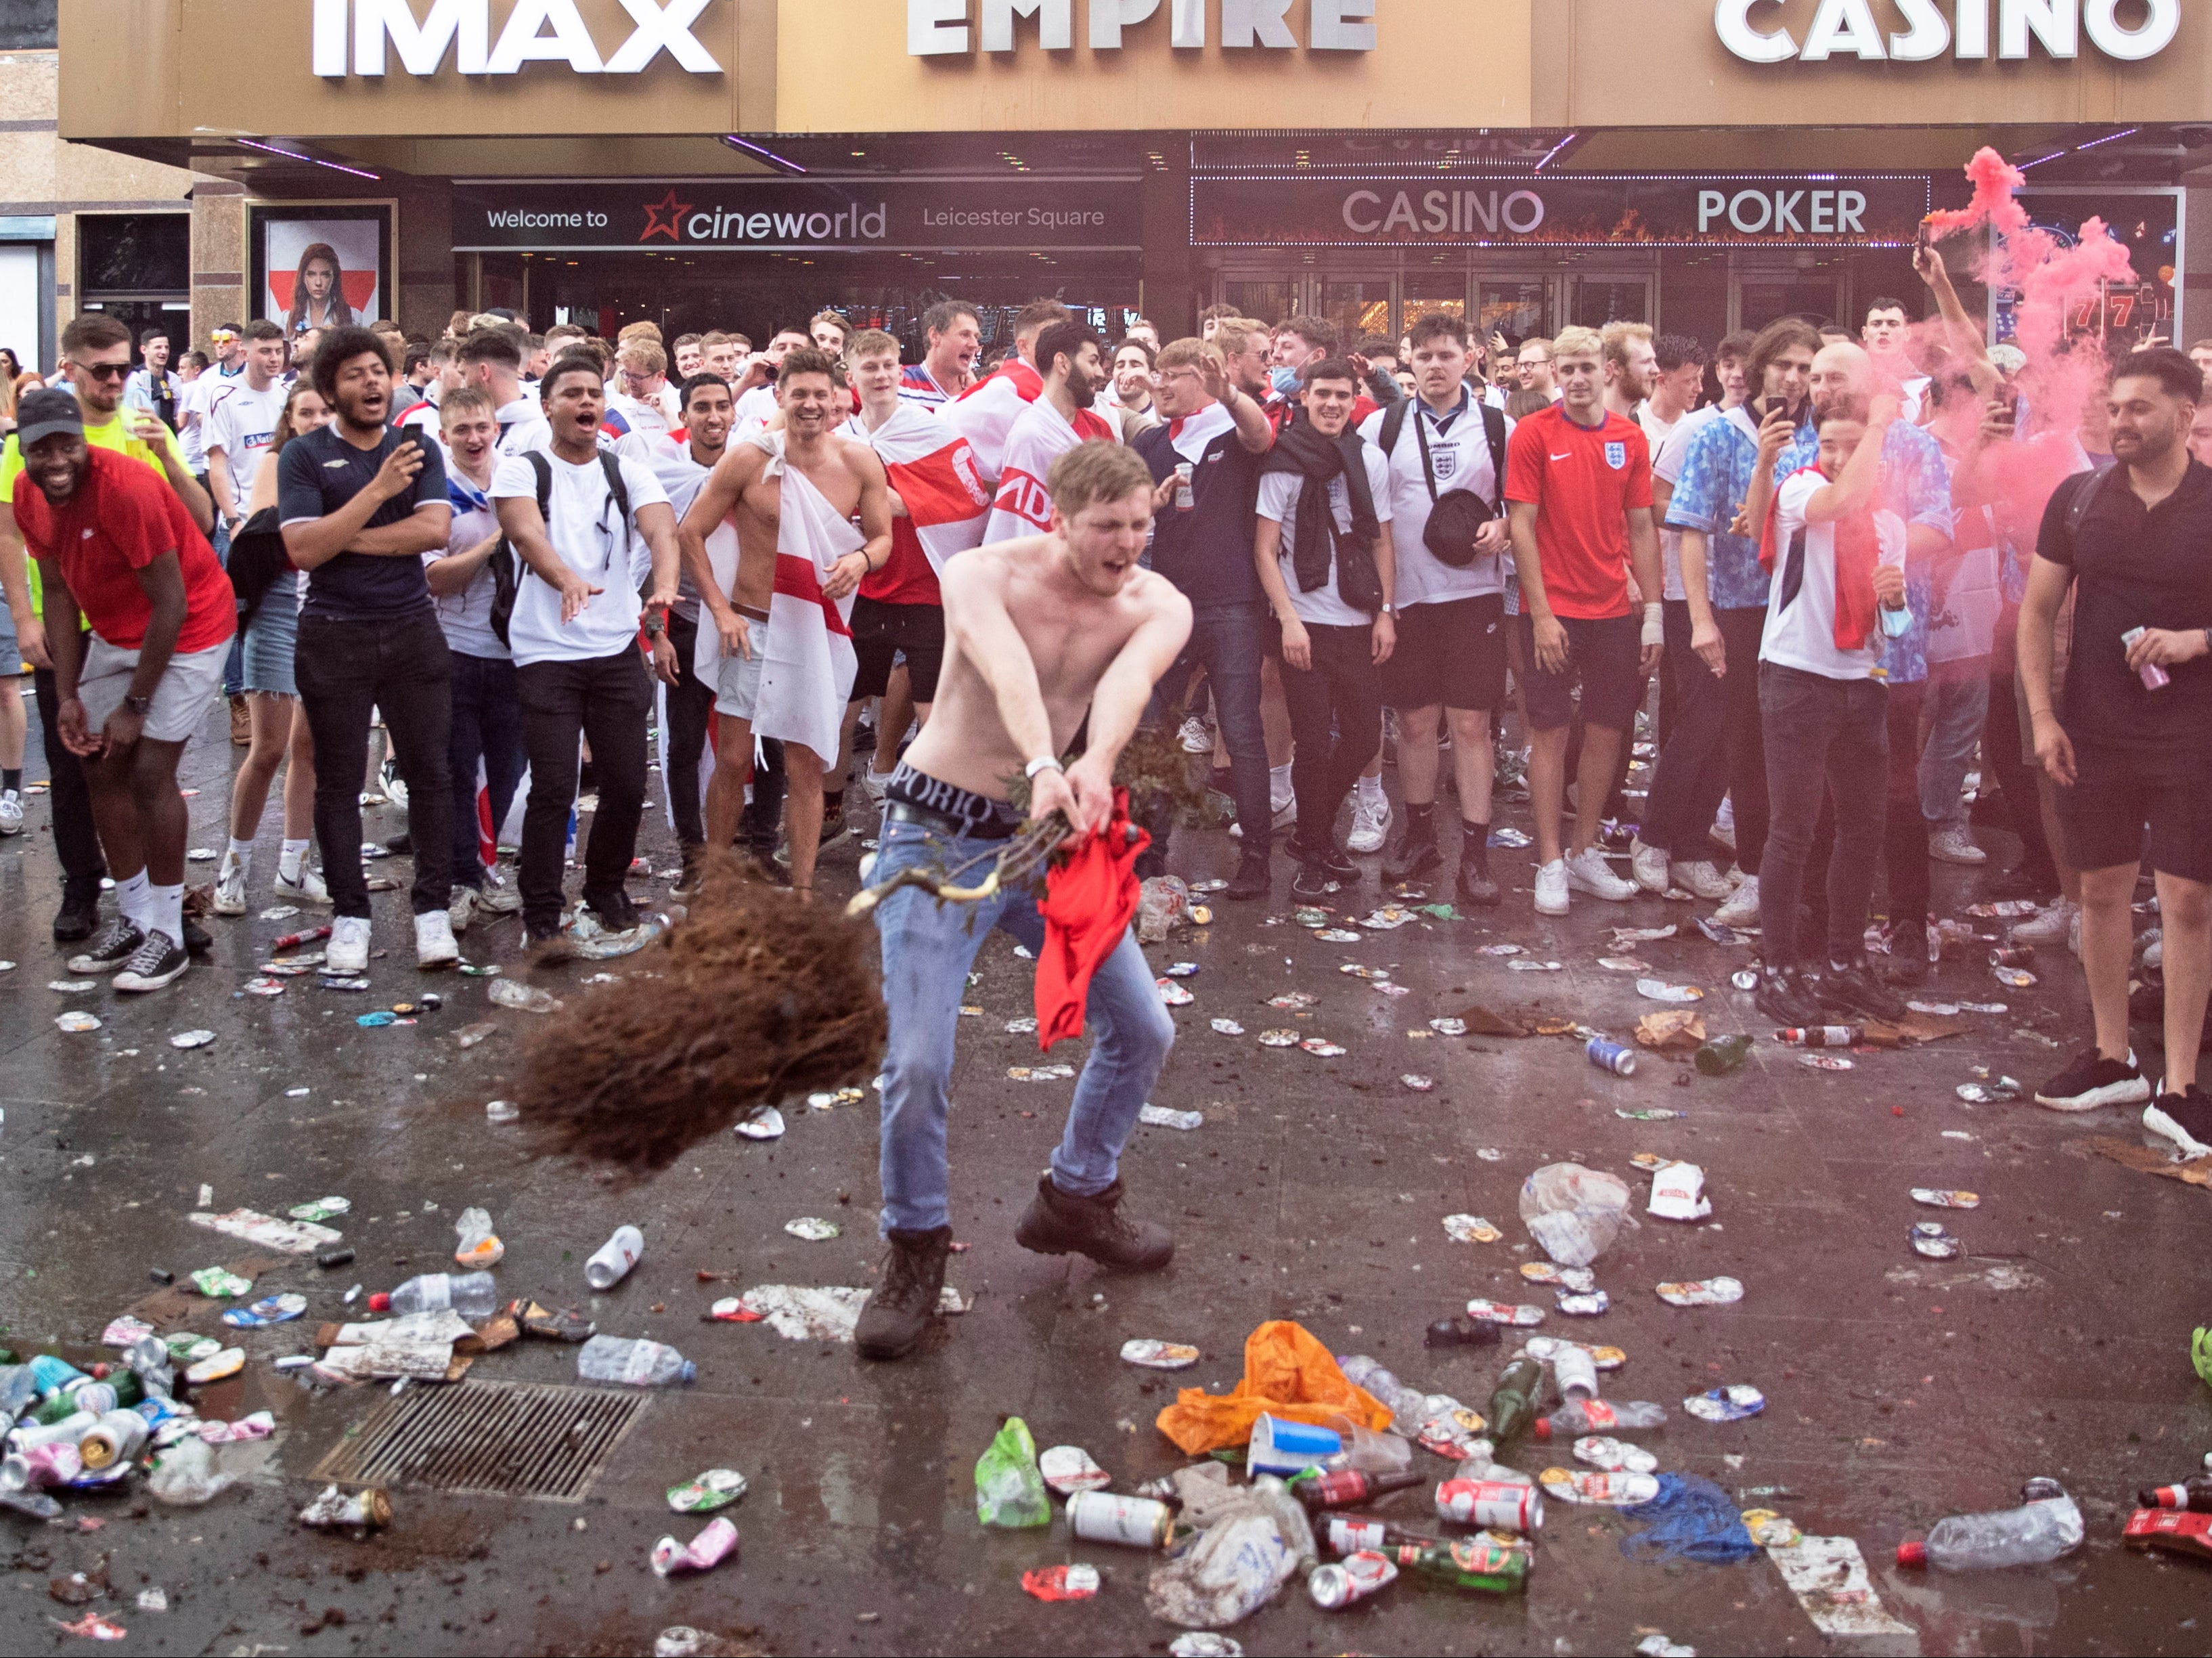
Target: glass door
1438,291
1264,299
1600,300
1764,296
1518,307
1356,306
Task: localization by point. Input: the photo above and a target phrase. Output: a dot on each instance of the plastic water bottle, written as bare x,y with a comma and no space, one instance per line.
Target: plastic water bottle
633,1364
1597,1416
2045,1526
471,1295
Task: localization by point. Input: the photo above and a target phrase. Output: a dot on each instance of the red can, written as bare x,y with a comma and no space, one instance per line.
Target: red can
1492,1504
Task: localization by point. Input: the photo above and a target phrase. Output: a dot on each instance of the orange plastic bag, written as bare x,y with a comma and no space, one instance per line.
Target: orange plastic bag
1287,1374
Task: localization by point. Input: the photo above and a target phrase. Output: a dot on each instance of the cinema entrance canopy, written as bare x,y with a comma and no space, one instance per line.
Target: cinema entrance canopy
1529,162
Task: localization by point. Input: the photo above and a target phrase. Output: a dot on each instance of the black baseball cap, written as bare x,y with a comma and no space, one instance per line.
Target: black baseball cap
45,412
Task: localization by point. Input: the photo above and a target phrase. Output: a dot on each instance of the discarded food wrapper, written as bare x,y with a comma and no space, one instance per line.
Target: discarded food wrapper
763,1122
1337,936
226,1362
1587,1305
813,1230
804,1313
1183,970
1499,949
1529,965
1658,1646
1449,1026
714,1491
522,998
1279,1039
1323,1048
1029,1074
1159,1355
1702,1292
1657,989
1354,970
1596,1488
261,1425
718,1543
321,1209
1386,920
124,1332
1510,838
1578,1280
1293,1000
1677,1029
1216,884
1770,1530
75,1023
1161,1117
188,1040
1173,995
1984,1007
1934,1199
1677,1193
1733,1404
287,1237
92,1627
1417,1083
1828,1575
1021,1027
2002,1091
1936,1009
1309,917
1716,934
270,1309
1545,1349
1824,1062
1471,1229
220,1283
1227,1027
1614,1456
1069,1468
1625,936
329,983
1069,1582
1522,1317
1933,1241
1649,1114
2018,978
1624,964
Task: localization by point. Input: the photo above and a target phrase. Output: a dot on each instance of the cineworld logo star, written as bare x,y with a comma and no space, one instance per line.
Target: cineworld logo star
461,29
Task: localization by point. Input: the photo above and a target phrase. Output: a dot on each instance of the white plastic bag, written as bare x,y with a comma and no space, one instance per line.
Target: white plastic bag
1574,1213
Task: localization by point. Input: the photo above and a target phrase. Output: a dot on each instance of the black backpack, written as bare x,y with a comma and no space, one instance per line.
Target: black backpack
1454,519
507,566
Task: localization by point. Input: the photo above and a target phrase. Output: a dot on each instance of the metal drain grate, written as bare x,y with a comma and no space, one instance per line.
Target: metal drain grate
487,1439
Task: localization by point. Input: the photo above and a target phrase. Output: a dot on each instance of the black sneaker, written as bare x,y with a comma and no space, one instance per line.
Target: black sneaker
400,845
2026,881
1331,858
80,913
1254,877
112,951
1784,997
158,962
1413,857
1851,987
898,1314
1310,883
616,911
1477,886
2093,1080
2180,1123
197,939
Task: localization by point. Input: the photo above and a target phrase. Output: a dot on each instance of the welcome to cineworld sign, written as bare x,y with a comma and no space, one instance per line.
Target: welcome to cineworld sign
1920,31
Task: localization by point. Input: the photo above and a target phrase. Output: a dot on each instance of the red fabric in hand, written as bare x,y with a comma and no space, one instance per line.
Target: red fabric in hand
1088,903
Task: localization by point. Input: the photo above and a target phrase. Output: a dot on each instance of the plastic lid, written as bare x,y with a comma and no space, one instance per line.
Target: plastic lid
1912,1554
1542,1430
379,1302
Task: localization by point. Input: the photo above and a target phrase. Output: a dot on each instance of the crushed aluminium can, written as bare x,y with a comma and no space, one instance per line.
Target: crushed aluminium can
714,1489
1734,1403
718,1543
1704,1292
1337,1585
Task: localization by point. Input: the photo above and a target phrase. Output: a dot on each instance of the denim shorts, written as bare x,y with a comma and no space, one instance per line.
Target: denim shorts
271,639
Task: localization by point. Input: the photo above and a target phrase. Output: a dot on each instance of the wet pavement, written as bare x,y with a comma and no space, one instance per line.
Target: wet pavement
1898,1389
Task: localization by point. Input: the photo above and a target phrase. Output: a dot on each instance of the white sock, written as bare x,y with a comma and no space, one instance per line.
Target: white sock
1281,777
1371,790
131,898
290,860
240,855
166,905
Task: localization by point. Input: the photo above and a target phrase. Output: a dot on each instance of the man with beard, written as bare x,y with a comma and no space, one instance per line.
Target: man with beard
360,503
1072,360
784,667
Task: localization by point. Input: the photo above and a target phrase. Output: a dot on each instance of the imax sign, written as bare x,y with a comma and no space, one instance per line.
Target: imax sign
1919,32
536,32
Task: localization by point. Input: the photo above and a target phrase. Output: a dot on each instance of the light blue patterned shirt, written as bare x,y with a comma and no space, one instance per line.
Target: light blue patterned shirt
1716,472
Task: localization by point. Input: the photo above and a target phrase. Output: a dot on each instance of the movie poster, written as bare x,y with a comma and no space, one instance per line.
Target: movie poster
322,266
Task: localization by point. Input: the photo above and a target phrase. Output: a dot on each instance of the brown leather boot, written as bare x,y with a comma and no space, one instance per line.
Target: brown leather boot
1057,1224
897,1315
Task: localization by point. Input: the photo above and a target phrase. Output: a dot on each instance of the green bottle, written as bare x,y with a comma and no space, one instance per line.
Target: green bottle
1513,1401
1724,1055
1482,1563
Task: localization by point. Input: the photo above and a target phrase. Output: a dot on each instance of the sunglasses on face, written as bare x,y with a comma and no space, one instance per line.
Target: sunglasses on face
104,370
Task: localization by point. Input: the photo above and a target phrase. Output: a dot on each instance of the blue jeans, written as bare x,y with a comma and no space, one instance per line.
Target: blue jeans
486,726
927,949
234,666
1956,706
1228,641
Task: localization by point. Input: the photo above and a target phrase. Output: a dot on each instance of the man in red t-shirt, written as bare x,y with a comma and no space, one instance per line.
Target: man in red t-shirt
116,546
1578,489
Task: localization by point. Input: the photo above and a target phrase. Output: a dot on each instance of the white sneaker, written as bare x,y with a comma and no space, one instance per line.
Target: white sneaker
1699,876
308,889
395,786
2049,926
462,909
2153,948
1286,812
434,941
1723,829
2074,939
11,811
1195,737
1588,872
347,953
230,889
1952,844
1648,864
1741,909
1551,888
499,900
1371,824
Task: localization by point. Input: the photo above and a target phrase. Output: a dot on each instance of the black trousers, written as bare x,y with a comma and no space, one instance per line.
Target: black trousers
1827,747
608,699
691,712
76,839
1336,717
347,671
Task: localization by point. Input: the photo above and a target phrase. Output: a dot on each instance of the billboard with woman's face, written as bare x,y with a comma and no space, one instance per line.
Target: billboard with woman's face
322,266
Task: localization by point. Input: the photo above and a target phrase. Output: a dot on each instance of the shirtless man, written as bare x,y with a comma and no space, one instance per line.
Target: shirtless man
747,483
1039,633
